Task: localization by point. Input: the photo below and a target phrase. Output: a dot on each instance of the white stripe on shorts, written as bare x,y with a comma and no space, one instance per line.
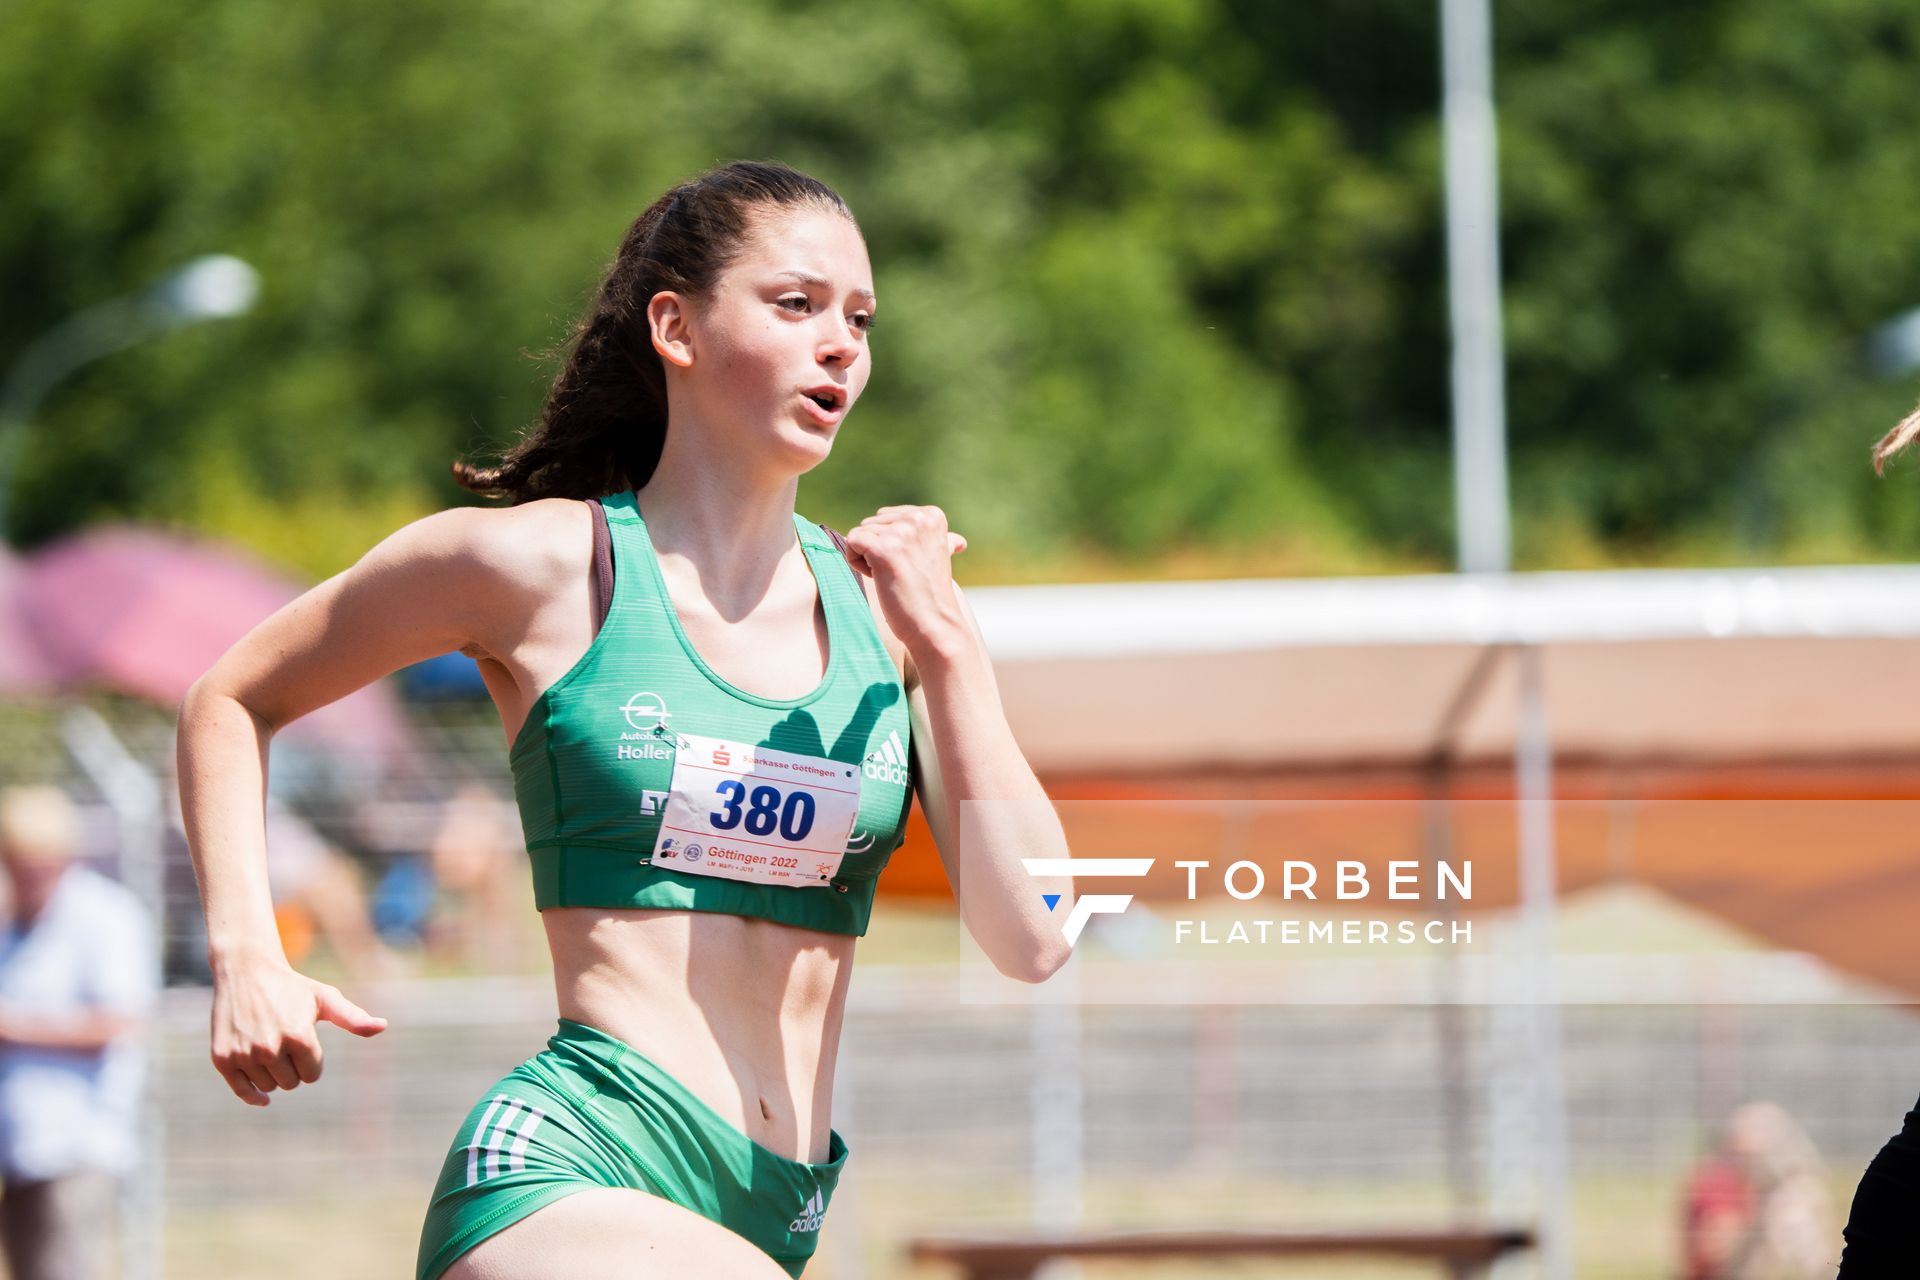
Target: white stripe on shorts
498,1139
478,1141
534,1116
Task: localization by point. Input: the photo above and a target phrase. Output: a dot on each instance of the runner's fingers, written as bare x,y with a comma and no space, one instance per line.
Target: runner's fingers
912,513
278,1070
342,1012
257,1075
913,524
306,1059
868,538
866,542
243,1086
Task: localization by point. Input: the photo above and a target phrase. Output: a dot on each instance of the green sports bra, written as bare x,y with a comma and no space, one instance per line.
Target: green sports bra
645,780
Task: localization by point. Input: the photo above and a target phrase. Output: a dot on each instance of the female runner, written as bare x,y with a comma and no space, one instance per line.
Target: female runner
710,779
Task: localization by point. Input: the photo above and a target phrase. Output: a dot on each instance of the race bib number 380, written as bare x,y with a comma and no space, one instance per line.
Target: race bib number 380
742,812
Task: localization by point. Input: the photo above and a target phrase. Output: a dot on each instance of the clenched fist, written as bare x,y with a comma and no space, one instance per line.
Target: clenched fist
908,552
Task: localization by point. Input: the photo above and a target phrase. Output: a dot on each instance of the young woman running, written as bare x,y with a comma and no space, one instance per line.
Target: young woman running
1883,1222
710,779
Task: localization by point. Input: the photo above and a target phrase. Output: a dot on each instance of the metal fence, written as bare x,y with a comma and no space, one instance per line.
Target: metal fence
1288,1103
957,1115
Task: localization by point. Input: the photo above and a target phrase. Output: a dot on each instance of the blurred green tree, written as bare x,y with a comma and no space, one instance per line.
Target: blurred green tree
1161,279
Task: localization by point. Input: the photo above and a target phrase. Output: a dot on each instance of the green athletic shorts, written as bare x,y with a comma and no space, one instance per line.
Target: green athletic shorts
590,1111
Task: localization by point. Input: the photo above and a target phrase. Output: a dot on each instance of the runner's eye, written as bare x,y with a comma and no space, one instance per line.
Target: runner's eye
800,298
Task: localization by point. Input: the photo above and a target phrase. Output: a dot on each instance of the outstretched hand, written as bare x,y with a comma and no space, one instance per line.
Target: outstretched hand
266,1029
908,552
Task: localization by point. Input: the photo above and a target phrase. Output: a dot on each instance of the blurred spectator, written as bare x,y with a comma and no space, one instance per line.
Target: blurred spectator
1719,1209
484,899
79,975
1757,1208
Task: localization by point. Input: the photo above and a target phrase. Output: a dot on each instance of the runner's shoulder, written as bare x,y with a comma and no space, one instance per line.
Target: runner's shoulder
524,548
492,564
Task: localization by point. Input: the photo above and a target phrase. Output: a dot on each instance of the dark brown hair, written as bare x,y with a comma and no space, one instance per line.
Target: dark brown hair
605,417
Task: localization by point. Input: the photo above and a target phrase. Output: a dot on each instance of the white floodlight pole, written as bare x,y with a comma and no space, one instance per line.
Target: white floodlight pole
1473,292
134,795
1525,1021
1056,1103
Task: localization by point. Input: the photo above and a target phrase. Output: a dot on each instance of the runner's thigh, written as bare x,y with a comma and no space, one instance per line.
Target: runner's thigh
612,1233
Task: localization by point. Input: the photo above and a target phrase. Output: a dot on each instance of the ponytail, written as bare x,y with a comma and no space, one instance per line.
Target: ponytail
604,421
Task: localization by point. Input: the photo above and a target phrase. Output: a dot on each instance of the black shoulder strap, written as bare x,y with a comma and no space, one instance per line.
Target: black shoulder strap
838,540
859,579
602,565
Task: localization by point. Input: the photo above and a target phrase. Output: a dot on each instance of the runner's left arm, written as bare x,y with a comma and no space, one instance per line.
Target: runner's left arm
985,807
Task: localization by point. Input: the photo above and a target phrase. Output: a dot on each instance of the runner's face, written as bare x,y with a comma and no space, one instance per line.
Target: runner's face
787,317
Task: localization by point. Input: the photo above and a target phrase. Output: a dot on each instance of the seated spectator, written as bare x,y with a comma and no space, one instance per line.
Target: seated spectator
318,895
1757,1208
482,919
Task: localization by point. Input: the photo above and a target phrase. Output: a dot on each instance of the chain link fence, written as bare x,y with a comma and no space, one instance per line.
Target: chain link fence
959,1116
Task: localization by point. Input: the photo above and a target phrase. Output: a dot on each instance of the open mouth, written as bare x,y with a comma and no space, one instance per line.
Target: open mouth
829,398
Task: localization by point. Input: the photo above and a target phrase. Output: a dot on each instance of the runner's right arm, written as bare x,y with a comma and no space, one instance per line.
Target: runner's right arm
463,578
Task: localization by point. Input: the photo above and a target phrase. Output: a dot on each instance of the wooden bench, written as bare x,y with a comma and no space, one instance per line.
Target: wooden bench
1463,1252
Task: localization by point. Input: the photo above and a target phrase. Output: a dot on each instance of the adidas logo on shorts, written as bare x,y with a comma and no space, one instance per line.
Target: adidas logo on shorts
812,1214
500,1141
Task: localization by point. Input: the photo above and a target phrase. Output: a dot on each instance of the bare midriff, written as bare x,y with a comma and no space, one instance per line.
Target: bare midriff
744,1012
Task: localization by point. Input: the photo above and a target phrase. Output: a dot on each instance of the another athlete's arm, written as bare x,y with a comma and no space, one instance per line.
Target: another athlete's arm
85,1029
448,581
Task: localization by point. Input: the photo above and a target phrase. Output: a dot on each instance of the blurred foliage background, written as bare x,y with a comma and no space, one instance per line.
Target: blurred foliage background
1162,281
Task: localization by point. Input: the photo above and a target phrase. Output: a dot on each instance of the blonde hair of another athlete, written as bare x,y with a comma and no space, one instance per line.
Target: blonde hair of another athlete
1895,440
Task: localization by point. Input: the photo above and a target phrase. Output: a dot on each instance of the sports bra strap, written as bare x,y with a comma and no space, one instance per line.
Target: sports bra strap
838,540
602,566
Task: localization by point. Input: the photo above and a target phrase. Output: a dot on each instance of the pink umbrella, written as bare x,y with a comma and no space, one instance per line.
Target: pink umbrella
24,665
146,613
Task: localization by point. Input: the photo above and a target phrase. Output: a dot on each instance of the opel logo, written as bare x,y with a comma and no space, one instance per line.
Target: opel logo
645,710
